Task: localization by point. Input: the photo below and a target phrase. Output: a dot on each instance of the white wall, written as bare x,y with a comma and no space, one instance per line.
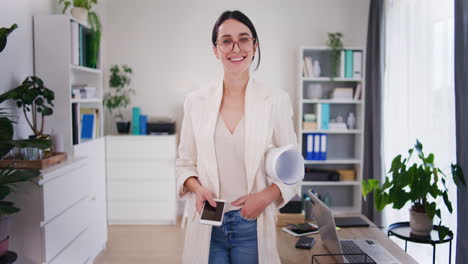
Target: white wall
16,60
168,43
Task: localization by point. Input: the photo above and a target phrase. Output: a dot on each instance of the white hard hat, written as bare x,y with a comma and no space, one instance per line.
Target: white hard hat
285,163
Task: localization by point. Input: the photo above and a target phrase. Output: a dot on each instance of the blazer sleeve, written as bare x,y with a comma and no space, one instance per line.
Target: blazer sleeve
186,162
283,134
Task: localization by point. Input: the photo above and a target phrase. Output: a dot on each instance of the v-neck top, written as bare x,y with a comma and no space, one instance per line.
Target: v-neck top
230,155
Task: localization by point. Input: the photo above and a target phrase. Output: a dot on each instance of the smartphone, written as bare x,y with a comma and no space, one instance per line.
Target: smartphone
305,242
213,215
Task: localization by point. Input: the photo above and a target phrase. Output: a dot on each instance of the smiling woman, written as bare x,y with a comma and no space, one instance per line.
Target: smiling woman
226,130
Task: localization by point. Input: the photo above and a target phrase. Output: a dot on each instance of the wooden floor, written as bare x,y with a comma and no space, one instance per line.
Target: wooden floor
142,245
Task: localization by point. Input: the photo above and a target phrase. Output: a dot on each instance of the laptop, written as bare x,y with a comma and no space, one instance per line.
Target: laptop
375,252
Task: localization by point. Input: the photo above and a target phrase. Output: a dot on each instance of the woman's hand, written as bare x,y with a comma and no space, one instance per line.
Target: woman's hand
203,194
255,203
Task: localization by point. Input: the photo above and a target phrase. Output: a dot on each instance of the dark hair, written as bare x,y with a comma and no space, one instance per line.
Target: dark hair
239,16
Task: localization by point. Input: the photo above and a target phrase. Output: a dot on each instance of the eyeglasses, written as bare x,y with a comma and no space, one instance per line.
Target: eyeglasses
226,45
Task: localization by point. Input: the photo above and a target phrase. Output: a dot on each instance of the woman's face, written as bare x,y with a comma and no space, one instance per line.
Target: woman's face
235,60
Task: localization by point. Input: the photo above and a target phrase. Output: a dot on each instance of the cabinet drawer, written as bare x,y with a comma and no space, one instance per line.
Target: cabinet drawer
142,212
65,228
141,190
78,252
65,190
141,147
140,170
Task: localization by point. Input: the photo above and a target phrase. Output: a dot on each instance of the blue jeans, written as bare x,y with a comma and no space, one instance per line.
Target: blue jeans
235,241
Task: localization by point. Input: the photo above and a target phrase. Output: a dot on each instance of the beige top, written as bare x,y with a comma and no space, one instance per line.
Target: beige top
230,150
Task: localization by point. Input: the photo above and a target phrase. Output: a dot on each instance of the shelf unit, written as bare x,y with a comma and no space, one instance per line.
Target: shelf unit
53,64
344,147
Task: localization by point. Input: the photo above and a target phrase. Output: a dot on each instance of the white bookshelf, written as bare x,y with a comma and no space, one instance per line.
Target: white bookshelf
344,147
53,64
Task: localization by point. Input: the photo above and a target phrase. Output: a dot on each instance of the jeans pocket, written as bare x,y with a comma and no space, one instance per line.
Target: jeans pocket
243,218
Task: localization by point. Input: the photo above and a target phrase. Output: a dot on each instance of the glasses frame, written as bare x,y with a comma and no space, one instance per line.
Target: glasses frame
234,43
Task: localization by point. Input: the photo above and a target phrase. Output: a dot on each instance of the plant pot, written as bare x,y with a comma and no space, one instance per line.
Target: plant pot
4,230
420,223
123,127
80,13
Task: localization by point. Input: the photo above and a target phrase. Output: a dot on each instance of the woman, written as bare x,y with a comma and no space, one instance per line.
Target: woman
227,128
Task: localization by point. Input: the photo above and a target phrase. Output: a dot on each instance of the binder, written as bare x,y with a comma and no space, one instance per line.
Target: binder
323,147
348,64
309,147
87,126
325,118
342,64
135,120
316,153
357,64
143,120
75,52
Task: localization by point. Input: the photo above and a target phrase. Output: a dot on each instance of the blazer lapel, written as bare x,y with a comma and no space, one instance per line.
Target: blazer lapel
211,110
257,113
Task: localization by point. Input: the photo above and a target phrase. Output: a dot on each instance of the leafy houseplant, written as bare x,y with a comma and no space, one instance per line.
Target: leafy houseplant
85,14
119,97
335,44
35,99
4,32
9,177
418,181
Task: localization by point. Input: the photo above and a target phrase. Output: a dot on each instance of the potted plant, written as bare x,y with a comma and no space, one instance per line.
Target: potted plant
119,96
9,177
336,46
4,32
35,99
416,180
80,8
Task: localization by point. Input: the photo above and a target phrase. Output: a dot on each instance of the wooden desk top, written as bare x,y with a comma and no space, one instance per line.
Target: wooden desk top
289,254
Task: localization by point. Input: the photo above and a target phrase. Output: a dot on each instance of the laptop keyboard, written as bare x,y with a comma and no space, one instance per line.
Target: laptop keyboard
349,247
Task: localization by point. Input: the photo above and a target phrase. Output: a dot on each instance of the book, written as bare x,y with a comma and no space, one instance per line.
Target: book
75,124
303,229
95,113
357,93
325,116
310,69
357,64
87,126
348,64
75,52
342,93
304,68
342,64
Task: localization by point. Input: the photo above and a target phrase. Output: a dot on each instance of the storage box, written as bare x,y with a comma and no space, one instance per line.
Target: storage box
347,175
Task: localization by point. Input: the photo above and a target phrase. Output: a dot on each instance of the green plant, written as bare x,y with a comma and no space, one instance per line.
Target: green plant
86,4
119,82
416,181
4,32
336,46
34,98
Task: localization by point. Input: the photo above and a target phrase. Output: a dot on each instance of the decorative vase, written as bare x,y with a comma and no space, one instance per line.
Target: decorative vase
420,223
316,68
123,127
80,13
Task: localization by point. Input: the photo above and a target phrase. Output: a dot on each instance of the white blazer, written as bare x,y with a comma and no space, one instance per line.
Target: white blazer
268,121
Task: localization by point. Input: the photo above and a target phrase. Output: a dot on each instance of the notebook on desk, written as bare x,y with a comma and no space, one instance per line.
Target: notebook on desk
350,222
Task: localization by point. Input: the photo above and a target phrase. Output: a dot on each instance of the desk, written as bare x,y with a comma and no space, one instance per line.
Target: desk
289,254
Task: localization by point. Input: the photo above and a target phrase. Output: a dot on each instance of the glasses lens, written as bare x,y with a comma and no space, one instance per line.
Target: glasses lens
245,44
226,45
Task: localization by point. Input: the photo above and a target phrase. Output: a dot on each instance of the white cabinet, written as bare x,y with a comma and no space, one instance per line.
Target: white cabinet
141,179
60,219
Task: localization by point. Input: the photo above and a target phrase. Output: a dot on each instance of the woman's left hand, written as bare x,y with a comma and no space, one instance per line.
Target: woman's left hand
253,204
